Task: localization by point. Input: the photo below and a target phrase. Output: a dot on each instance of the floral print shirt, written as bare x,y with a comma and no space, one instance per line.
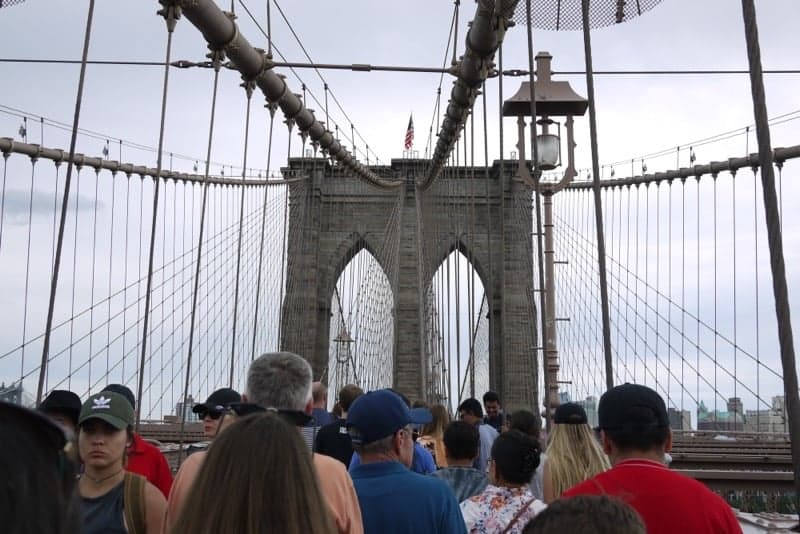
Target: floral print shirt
491,511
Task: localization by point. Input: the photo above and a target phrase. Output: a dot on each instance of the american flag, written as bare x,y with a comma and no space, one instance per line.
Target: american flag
409,133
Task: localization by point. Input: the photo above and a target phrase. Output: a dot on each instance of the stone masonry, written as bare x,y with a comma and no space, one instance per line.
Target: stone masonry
335,216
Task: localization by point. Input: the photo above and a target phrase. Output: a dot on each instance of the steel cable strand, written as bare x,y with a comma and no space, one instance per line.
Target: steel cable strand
322,78
217,58
94,266
259,270
248,91
27,270
170,12
695,368
693,316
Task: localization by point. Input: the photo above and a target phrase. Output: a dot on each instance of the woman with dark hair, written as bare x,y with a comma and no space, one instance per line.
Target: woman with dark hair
37,495
530,424
507,504
257,478
114,501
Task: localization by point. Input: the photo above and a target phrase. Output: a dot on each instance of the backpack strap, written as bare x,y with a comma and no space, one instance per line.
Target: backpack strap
517,516
134,504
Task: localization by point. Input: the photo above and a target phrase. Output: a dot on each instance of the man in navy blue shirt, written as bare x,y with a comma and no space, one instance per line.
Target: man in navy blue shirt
393,498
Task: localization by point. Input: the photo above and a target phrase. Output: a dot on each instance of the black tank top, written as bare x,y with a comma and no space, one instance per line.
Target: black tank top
104,514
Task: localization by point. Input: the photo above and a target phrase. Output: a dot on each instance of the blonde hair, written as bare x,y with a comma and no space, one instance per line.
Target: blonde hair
441,418
573,455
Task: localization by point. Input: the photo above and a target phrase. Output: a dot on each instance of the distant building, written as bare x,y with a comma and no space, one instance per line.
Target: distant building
15,394
731,420
735,405
679,419
190,416
772,420
589,405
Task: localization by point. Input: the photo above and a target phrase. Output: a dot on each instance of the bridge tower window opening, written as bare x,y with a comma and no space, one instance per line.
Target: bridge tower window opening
361,346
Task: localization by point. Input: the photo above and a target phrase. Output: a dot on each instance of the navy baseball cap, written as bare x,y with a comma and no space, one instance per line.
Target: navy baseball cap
381,413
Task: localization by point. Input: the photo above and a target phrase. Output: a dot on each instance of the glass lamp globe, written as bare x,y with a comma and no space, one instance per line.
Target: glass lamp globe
549,148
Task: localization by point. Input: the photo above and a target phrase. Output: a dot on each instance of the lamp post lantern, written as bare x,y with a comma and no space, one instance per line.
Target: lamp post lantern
552,99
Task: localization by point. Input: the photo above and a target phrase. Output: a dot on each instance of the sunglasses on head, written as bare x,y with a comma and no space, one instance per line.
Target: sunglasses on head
293,417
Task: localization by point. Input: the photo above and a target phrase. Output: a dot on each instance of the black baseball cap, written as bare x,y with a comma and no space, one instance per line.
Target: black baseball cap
35,422
623,404
221,398
62,401
570,413
124,391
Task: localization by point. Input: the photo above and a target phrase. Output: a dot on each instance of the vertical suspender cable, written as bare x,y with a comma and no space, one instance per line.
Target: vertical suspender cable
125,272
94,270
716,334
217,61
472,322
74,272
637,280
64,205
283,261
669,297
628,272
658,281
774,237
3,196
647,283
170,14
490,282
272,108
598,207
733,262
537,175
683,288
28,271
248,87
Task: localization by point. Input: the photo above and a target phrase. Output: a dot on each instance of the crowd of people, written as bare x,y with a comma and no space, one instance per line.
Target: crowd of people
278,461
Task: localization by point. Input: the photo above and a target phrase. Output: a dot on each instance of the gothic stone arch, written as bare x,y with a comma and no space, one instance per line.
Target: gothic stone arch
336,215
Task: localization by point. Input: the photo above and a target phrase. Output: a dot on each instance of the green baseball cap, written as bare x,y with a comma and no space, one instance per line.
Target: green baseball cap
110,407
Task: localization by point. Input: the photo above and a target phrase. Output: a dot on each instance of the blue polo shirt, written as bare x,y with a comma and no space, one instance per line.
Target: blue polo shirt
422,462
396,500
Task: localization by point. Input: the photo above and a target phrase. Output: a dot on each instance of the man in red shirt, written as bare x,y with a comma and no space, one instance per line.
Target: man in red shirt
144,458
635,433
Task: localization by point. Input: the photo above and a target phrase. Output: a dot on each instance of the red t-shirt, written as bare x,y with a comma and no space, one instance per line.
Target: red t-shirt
146,460
668,502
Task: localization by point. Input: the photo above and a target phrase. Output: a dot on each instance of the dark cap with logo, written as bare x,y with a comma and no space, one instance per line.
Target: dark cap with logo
110,407
631,404
381,413
221,398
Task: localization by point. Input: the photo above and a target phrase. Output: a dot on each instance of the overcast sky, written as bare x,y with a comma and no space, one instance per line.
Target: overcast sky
637,114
